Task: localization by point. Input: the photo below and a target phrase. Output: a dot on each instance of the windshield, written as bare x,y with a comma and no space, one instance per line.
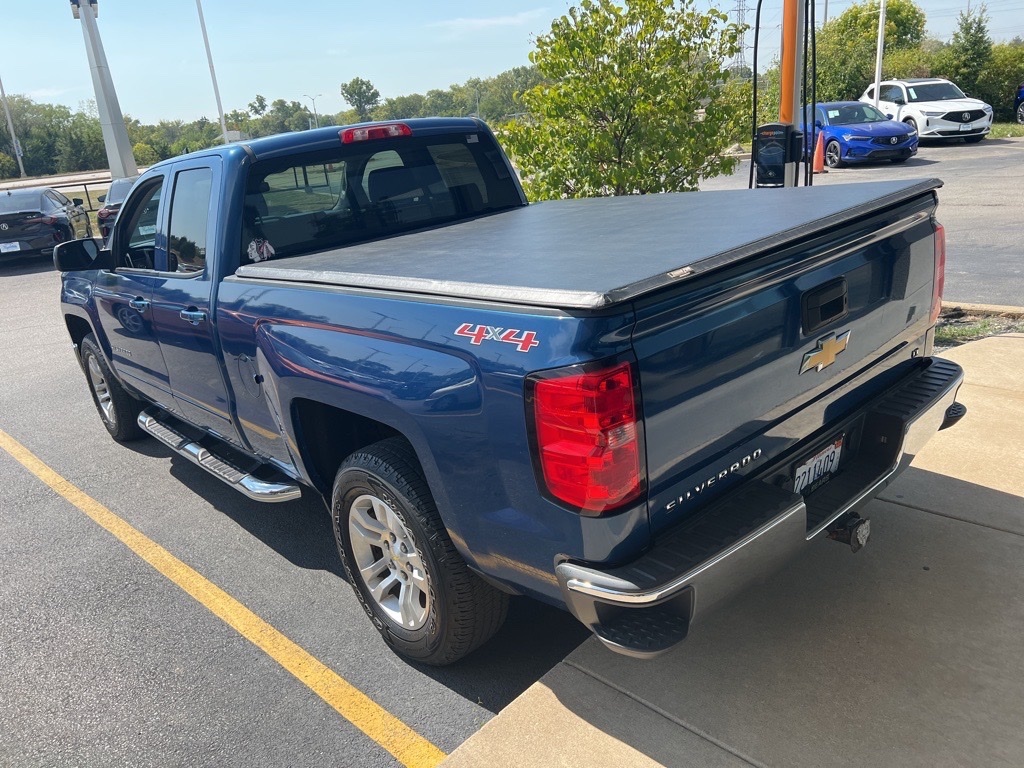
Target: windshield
934,92
16,201
853,114
363,191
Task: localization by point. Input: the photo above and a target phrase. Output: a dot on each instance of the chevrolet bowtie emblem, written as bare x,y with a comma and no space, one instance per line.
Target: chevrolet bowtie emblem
828,349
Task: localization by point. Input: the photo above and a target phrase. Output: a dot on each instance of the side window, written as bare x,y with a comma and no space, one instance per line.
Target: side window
891,93
134,241
53,199
819,115
190,215
870,93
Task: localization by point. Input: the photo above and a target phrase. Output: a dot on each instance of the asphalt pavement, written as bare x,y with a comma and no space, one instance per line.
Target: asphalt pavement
981,206
907,653
105,662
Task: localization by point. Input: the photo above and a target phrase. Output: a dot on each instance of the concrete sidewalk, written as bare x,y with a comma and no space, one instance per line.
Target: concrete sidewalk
909,653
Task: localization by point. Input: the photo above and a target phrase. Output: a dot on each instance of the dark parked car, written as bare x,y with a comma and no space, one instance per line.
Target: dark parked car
1018,104
854,132
116,194
34,220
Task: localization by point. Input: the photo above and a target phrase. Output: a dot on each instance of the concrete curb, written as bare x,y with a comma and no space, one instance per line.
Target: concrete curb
999,310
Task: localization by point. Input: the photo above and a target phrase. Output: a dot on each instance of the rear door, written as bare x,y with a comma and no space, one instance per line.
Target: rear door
123,295
183,308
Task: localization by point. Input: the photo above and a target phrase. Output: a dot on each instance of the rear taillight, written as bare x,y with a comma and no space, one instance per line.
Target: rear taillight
372,132
588,437
48,220
104,213
939,283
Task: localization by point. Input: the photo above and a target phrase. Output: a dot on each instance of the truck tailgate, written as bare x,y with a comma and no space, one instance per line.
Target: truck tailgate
747,362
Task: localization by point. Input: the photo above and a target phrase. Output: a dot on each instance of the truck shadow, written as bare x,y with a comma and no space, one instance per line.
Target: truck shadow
25,266
915,636
534,638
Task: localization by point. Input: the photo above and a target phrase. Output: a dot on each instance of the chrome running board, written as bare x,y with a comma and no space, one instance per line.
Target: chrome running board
244,482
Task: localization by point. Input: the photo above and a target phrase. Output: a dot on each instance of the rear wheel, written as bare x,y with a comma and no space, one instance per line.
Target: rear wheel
833,154
118,410
1020,113
408,576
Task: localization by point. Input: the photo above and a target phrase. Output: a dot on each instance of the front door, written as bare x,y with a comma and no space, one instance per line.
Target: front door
182,301
123,295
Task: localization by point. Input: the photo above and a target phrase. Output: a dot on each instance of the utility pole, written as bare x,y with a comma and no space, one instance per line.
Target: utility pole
792,53
115,135
316,117
213,75
881,48
15,146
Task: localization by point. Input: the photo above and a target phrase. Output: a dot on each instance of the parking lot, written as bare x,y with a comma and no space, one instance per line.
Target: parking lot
151,616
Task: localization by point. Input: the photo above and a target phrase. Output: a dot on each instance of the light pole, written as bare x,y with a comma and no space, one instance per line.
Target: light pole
115,135
316,117
213,75
10,127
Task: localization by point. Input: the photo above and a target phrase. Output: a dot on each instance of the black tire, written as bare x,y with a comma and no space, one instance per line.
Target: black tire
913,124
1020,113
973,139
833,154
452,610
118,410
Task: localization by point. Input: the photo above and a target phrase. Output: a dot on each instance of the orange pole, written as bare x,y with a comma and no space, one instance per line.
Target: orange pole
790,54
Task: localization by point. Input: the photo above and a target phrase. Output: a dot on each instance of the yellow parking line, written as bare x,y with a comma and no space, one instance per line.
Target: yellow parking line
408,747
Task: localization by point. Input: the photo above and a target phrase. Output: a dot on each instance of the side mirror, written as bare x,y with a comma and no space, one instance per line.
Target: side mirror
888,115
102,198
818,124
76,200
899,101
80,255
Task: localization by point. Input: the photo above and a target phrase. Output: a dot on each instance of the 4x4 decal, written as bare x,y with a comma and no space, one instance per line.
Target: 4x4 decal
524,341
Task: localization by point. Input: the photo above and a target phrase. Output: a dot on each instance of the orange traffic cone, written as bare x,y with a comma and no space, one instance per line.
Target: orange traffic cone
819,155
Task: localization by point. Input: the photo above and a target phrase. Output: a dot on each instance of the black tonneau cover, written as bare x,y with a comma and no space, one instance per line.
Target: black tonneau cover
593,253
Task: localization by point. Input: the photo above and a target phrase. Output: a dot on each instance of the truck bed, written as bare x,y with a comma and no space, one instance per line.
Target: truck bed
592,253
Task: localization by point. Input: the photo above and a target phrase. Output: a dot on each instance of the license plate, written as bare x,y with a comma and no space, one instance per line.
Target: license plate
9,247
818,469
966,126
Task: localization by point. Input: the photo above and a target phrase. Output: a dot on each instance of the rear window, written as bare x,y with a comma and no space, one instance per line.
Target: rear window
312,202
118,191
15,201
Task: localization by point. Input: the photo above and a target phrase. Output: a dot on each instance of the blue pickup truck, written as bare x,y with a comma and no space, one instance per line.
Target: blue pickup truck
628,407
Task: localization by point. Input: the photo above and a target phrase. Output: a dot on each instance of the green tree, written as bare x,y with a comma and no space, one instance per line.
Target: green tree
632,101
999,78
400,107
80,145
361,95
144,154
968,52
8,166
847,45
258,105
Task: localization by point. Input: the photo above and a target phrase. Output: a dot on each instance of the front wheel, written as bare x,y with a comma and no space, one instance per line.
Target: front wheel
1020,113
912,123
404,568
833,154
118,410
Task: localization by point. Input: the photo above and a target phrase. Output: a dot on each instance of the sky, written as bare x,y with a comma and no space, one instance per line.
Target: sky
295,49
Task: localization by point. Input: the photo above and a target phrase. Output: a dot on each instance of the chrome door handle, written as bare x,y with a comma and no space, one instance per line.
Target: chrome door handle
139,303
193,316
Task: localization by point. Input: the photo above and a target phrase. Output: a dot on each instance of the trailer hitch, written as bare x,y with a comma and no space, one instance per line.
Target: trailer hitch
850,529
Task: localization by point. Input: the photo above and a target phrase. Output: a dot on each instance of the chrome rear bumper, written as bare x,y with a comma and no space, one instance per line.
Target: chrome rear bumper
645,607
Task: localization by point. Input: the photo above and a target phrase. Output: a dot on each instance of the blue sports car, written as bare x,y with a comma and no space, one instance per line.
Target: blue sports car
854,132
